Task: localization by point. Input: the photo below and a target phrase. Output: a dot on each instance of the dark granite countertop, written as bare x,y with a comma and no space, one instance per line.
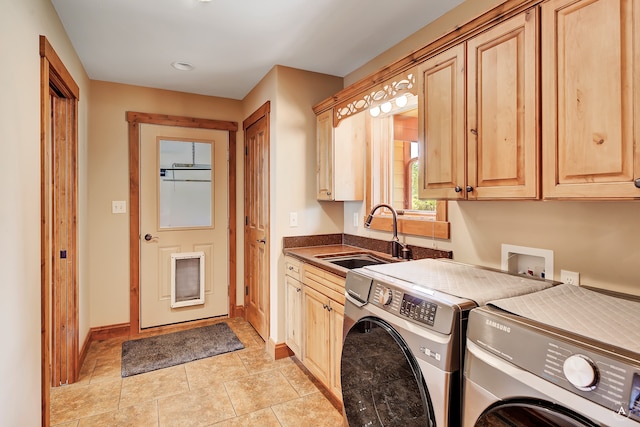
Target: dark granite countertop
311,249
314,255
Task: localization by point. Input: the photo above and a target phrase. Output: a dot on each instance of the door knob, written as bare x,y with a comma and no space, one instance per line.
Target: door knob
261,241
148,237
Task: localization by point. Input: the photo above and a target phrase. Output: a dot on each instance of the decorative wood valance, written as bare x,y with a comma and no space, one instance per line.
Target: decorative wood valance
386,91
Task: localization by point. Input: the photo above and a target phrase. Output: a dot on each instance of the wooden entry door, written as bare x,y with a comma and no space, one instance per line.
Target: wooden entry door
183,222
256,229
136,120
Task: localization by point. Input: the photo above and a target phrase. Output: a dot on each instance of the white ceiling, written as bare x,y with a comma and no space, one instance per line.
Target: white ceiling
233,43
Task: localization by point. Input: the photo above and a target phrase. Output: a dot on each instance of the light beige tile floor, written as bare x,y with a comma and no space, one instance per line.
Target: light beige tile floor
243,388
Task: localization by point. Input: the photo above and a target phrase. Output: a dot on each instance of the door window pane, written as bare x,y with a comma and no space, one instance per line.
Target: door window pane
185,184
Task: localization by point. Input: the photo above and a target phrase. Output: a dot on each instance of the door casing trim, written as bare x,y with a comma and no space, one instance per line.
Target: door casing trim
54,73
135,119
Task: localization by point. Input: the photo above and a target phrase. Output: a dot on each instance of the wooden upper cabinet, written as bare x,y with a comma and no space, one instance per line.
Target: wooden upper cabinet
340,157
485,145
590,99
503,144
441,110
324,160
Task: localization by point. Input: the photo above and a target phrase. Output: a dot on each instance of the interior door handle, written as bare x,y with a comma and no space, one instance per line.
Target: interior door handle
261,241
148,237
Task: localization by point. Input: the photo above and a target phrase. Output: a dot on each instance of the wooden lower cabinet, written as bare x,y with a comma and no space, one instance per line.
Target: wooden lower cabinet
322,314
294,316
293,305
316,334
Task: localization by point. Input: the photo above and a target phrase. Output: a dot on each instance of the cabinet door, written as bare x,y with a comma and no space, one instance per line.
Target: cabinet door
502,111
324,159
337,322
349,152
316,337
293,321
589,92
441,126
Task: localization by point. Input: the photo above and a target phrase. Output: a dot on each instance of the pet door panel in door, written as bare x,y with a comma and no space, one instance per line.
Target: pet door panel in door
187,279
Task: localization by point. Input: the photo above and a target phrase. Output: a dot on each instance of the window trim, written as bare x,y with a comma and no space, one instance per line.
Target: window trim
434,225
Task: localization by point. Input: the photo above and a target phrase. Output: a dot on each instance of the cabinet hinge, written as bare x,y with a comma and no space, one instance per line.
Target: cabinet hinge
246,290
246,150
246,220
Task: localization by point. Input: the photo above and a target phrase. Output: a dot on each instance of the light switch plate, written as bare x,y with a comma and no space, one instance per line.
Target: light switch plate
293,219
118,206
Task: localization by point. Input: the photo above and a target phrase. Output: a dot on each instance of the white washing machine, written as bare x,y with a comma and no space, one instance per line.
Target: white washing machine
565,356
404,335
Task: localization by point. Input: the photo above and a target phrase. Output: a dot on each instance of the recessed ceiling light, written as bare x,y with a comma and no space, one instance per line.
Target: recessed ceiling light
182,66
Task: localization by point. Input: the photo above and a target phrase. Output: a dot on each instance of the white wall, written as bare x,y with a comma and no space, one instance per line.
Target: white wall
21,23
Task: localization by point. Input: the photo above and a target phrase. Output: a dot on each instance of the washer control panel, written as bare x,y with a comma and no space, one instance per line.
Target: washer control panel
416,308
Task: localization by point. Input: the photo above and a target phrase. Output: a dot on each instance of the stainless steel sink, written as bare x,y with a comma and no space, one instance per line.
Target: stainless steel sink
351,261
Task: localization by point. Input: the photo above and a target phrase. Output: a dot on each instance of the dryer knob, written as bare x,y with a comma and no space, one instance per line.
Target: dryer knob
581,372
386,296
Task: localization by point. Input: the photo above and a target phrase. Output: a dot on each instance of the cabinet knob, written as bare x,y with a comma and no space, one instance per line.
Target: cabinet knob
469,189
298,289
328,193
637,182
458,189
290,267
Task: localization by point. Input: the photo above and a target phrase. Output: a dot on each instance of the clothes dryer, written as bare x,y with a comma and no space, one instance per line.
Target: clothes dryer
565,356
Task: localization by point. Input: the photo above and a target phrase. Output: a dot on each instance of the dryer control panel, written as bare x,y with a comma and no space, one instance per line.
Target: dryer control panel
601,376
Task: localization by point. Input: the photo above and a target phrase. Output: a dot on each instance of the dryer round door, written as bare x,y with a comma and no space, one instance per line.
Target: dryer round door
382,384
531,413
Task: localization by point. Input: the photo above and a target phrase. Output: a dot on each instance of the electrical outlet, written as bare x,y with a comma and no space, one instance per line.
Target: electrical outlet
570,277
356,220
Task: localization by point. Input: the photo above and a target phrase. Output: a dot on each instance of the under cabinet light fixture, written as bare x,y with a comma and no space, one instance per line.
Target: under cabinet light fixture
401,101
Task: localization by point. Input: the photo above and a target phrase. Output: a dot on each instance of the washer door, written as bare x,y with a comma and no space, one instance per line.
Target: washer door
531,413
382,384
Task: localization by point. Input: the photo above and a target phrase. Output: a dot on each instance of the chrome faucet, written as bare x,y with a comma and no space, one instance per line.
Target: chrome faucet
398,250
